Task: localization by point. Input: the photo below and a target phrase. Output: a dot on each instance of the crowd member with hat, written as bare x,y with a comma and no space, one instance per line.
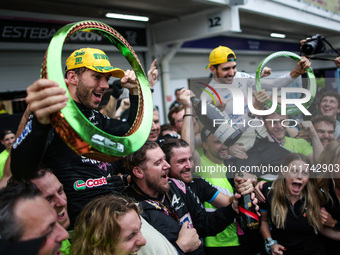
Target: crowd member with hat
222,64
87,73
214,153
7,139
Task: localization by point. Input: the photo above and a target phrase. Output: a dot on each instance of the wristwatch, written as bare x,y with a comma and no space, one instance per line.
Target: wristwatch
268,243
337,226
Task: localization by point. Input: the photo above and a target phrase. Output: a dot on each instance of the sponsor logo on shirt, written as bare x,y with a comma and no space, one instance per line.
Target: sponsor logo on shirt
89,183
24,134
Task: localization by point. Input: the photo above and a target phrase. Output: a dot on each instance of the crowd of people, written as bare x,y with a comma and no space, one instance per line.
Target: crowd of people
175,195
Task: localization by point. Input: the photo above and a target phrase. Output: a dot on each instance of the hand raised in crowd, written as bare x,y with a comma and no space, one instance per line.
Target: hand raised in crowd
266,71
45,97
260,98
258,192
326,218
130,82
307,130
184,97
236,150
188,239
153,74
125,103
301,67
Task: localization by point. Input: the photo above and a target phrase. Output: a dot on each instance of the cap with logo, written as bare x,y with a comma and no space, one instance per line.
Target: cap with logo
205,133
220,55
93,59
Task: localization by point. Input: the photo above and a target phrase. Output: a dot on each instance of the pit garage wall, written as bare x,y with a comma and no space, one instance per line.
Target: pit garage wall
190,61
25,38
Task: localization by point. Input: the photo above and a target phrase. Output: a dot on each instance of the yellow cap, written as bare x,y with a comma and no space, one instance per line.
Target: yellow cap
220,55
93,59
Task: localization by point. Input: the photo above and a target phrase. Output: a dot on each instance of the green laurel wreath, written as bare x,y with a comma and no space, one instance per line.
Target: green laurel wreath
291,110
91,137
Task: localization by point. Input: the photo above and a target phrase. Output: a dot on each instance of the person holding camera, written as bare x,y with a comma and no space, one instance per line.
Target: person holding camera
315,45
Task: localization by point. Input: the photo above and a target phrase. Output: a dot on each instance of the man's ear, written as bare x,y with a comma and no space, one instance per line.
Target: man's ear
213,69
72,77
138,172
205,145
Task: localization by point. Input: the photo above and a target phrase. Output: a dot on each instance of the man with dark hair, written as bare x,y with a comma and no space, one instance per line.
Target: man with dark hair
177,101
178,155
324,127
223,66
168,203
175,117
53,191
213,196
87,73
156,126
330,106
182,119
211,169
28,223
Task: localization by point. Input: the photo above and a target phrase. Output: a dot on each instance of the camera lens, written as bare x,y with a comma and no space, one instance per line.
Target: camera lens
308,48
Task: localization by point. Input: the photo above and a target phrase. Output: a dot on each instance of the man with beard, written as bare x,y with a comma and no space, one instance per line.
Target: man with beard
324,127
168,203
213,170
28,223
53,191
178,155
222,64
87,73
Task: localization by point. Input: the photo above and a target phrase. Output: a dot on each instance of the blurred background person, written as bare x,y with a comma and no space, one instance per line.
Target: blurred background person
7,139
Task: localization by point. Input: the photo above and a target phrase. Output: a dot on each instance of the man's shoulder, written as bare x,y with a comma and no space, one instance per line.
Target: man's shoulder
176,185
132,193
199,183
4,153
297,141
298,145
243,75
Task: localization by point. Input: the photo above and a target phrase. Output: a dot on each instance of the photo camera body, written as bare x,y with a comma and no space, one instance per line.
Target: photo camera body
314,45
